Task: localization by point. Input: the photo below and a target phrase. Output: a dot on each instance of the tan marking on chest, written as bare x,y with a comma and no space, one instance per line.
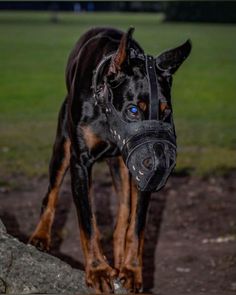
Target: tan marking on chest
90,138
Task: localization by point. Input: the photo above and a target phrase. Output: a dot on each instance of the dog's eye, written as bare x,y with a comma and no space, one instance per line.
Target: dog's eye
133,113
133,110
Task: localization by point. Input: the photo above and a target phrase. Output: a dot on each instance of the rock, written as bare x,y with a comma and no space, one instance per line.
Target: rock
183,269
118,287
25,270
2,228
233,286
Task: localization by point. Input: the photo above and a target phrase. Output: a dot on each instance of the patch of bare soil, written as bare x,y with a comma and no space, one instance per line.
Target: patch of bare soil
190,243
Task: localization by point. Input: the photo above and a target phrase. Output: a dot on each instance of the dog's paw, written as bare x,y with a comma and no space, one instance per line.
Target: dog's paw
131,278
41,242
100,276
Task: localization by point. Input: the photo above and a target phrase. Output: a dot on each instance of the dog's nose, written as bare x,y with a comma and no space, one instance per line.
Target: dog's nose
148,163
153,163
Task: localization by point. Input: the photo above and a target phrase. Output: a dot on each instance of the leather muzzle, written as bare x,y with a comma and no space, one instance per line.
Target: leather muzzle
148,149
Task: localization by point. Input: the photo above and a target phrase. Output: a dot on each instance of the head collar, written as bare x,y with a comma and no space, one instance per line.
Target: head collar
152,79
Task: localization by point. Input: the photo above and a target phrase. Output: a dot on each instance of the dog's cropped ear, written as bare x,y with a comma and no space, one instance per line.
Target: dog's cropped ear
170,60
122,52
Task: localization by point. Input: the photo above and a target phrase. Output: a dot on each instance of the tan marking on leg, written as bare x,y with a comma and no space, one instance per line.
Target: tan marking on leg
99,274
42,233
130,237
131,269
65,163
123,215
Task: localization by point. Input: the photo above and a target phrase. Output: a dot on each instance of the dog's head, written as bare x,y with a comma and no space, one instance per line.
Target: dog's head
137,99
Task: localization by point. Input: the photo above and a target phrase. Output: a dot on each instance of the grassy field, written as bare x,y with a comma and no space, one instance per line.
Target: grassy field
33,54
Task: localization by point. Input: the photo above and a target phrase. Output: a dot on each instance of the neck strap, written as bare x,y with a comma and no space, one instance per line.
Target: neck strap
153,91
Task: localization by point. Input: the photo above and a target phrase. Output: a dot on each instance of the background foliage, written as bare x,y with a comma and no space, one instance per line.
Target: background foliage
33,55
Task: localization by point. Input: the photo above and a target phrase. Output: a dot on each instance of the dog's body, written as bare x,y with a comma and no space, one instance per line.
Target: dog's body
84,136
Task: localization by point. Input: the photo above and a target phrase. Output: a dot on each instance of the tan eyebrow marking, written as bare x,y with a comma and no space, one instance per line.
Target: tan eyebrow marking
142,105
163,106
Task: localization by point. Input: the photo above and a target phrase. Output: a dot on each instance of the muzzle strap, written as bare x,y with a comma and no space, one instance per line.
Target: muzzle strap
152,79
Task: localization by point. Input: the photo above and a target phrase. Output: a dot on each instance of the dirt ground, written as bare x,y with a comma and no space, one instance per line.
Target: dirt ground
190,243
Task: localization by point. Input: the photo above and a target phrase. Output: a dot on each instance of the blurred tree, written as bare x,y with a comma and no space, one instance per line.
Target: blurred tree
200,11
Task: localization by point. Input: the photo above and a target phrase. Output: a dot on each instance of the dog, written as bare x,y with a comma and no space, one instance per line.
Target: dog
118,108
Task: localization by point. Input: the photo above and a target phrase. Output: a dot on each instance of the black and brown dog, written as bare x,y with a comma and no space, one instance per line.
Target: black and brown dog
113,87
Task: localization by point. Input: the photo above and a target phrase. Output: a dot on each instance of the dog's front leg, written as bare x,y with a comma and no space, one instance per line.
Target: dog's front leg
131,271
99,274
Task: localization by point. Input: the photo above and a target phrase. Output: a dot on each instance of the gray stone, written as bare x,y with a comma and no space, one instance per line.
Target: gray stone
2,228
25,270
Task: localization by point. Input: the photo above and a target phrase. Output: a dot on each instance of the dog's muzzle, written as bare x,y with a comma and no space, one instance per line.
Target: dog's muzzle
150,156
148,149
151,161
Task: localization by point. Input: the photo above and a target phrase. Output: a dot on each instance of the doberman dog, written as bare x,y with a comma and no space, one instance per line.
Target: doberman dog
118,107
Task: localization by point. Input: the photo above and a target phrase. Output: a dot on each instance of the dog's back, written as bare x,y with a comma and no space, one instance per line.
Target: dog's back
87,52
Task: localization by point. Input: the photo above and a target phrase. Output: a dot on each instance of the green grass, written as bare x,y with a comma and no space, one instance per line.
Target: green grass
33,54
